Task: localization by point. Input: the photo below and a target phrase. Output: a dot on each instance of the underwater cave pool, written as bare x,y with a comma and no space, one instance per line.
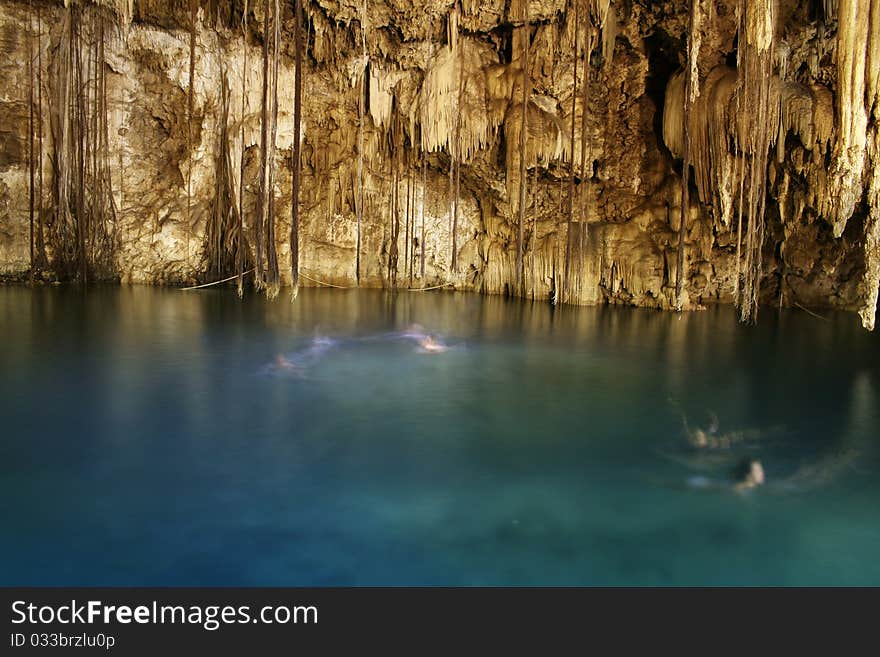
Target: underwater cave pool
162,437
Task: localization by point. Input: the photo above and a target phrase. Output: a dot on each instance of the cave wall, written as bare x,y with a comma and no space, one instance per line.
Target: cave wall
437,98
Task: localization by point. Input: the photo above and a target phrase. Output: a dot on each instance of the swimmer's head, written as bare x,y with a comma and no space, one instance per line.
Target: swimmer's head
699,438
284,363
750,473
757,472
430,343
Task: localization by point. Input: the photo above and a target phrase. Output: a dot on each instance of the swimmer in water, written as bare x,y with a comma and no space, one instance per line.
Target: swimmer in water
700,437
299,362
750,474
429,344
710,438
284,364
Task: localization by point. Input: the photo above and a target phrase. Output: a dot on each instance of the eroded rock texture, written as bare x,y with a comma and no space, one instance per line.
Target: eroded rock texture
517,147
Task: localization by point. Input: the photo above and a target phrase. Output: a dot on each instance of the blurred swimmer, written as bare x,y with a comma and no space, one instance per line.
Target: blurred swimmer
430,345
299,361
282,365
710,439
427,343
749,474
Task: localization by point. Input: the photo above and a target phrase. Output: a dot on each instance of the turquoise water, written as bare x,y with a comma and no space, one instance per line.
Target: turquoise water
149,437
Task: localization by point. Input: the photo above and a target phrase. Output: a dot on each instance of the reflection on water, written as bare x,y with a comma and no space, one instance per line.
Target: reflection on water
356,437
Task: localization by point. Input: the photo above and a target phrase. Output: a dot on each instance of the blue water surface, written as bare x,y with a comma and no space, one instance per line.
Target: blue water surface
160,437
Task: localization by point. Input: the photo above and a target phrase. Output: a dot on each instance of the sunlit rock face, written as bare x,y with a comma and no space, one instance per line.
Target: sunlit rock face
415,145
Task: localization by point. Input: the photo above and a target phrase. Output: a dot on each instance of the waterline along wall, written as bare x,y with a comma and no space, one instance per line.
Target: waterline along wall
661,154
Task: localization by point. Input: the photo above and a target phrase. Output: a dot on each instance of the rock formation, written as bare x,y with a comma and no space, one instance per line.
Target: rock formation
531,148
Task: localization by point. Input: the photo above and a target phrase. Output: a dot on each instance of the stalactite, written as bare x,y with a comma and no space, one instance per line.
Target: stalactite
457,199
225,243
829,9
729,129
739,220
473,66
784,197
360,166
31,175
59,105
451,193
455,152
556,284
41,244
453,105
691,91
422,243
76,144
584,187
104,174
782,53
853,32
856,155
534,231
97,209
407,239
381,94
243,148
267,271
757,30
273,277
606,20
82,242
870,283
523,135
263,191
455,138
296,164
869,286
567,266
394,214
190,102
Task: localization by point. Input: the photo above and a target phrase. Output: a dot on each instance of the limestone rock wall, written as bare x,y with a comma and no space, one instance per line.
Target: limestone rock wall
417,109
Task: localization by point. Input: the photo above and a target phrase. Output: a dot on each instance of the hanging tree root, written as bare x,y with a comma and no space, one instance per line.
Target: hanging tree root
225,280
